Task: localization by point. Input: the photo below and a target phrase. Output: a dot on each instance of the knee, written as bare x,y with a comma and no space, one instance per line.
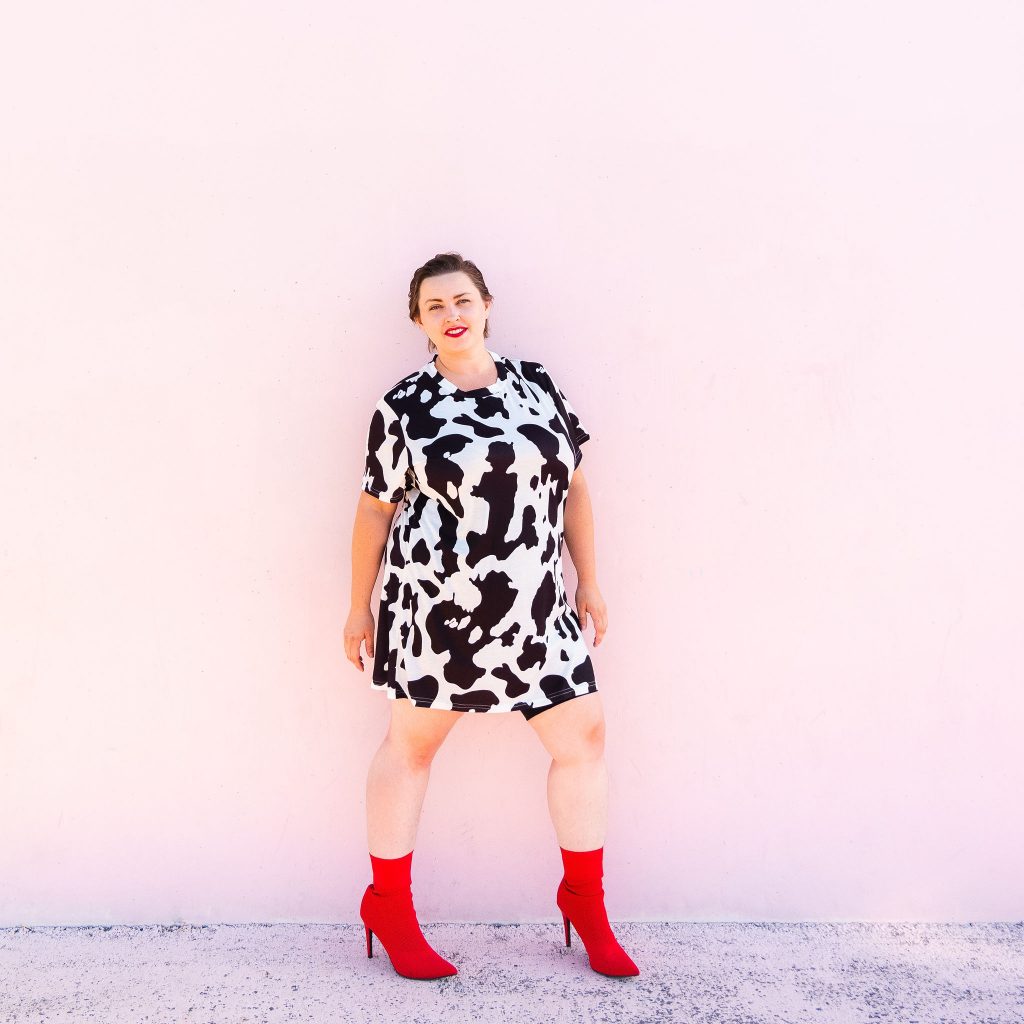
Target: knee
586,745
594,738
413,753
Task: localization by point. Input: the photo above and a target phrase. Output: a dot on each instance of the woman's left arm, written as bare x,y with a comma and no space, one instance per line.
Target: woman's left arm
579,539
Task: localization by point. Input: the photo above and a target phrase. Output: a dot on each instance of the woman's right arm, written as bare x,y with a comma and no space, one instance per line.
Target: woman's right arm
369,538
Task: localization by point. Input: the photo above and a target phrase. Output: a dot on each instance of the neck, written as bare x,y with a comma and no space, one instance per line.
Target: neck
481,371
467,362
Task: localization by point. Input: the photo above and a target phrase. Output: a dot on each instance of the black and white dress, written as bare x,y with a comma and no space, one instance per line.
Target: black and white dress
473,611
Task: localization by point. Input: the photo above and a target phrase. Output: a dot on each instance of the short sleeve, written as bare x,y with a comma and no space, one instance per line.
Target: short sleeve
387,457
578,432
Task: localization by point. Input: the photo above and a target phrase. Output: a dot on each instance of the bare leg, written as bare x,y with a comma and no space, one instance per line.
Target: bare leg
573,734
396,783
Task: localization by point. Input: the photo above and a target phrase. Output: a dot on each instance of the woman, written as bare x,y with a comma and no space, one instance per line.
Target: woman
473,614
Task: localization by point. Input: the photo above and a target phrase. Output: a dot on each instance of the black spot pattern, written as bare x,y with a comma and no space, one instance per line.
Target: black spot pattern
473,611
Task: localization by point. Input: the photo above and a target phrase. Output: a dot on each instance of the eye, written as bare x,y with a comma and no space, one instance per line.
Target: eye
463,300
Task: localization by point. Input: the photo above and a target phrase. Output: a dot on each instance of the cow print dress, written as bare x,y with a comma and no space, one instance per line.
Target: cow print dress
473,613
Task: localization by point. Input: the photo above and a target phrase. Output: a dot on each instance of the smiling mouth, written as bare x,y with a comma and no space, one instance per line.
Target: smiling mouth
455,332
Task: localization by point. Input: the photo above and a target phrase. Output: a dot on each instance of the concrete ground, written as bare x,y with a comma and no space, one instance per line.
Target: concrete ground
718,972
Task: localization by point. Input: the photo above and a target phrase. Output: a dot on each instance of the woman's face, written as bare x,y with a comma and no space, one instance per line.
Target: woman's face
449,302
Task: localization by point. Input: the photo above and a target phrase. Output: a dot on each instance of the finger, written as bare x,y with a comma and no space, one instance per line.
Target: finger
352,652
368,637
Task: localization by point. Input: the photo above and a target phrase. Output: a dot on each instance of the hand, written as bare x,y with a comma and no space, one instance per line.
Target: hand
358,628
589,600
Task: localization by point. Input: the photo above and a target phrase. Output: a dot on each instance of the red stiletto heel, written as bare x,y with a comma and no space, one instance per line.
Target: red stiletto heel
393,918
581,894
387,909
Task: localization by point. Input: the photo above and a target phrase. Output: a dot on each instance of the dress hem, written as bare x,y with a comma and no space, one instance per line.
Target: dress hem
557,699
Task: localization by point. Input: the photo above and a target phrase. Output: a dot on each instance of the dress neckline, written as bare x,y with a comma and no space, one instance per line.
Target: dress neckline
447,387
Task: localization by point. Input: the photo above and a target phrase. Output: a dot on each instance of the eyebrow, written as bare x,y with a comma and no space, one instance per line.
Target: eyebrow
459,296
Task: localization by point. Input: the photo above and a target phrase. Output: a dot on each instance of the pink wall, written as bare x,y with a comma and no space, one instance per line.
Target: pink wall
773,255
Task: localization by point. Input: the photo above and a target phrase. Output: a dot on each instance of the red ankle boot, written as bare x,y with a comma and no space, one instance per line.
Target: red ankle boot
580,897
387,910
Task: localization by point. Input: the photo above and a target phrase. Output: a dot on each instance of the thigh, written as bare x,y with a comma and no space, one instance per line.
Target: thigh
573,728
421,730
